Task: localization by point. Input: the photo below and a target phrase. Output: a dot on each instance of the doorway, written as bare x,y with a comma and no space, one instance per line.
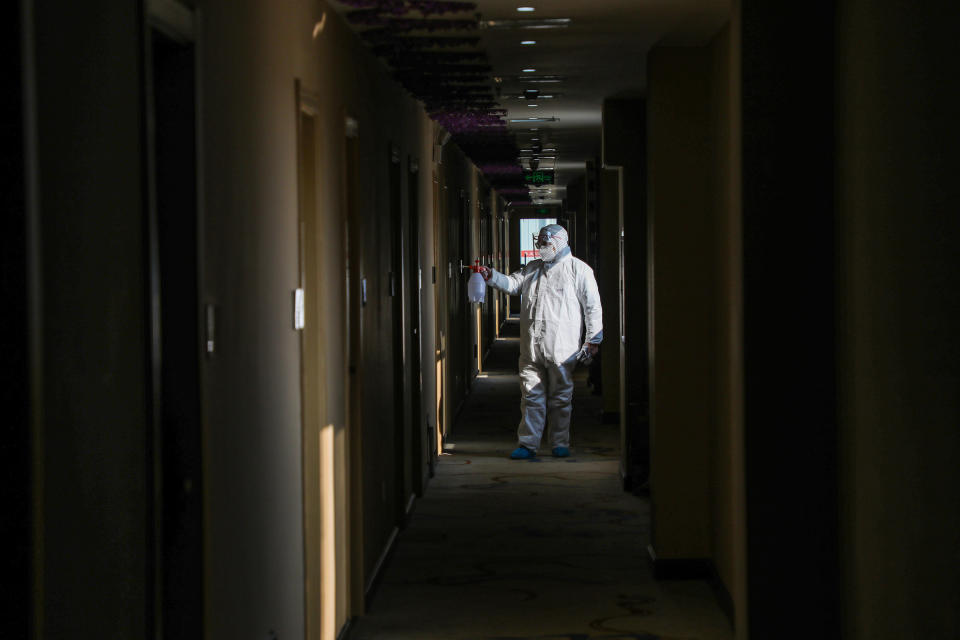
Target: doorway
529,228
402,387
176,345
355,292
420,438
440,320
317,530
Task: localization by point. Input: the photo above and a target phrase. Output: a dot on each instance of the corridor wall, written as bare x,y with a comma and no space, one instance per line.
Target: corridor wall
94,520
252,55
609,227
456,184
789,319
89,370
680,240
18,201
696,377
859,268
625,146
575,205
728,499
487,247
898,271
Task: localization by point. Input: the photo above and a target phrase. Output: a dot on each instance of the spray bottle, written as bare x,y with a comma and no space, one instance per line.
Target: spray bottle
476,286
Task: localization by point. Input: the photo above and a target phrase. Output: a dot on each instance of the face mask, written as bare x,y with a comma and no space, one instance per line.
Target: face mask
548,253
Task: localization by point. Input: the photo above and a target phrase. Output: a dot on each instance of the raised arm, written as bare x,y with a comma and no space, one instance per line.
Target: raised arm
509,284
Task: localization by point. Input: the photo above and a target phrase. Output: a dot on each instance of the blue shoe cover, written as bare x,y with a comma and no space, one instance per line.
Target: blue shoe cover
561,452
522,453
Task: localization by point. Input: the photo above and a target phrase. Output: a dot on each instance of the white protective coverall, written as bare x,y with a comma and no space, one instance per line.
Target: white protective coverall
557,299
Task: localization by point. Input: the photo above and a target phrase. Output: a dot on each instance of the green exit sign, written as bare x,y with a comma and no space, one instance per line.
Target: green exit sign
536,178
543,210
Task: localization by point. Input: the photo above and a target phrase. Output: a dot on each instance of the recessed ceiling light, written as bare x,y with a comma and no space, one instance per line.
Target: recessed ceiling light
531,105
534,139
531,70
525,9
529,42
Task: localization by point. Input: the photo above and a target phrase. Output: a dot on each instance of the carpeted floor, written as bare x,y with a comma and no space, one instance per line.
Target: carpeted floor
545,548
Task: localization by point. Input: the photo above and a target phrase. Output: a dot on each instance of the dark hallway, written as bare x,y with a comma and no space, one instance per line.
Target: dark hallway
500,549
250,394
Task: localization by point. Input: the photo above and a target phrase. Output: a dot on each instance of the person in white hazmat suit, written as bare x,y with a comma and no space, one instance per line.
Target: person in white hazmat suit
559,296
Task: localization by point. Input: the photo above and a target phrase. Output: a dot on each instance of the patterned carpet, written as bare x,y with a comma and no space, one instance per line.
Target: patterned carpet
516,550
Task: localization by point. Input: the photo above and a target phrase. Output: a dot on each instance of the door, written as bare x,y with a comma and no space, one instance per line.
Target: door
421,438
460,344
455,329
307,320
354,299
401,376
438,280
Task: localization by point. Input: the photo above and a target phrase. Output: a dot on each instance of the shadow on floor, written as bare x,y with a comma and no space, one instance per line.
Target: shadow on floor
546,548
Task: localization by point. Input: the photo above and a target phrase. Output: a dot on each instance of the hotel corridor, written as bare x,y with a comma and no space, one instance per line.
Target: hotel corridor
249,395
545,548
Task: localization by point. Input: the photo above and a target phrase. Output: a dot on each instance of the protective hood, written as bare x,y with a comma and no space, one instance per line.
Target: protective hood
557,239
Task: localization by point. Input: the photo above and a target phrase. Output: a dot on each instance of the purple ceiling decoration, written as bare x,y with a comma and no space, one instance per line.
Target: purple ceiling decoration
437,7
444,68
454,84
468,121
376,18
383,38
439,90
436,106
397,8
400,7
438,97
399,58
501,169
435,76
440,82
372,4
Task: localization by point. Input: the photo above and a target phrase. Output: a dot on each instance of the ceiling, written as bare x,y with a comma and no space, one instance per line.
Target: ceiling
599,52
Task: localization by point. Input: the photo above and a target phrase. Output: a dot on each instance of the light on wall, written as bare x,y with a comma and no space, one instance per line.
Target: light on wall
318,27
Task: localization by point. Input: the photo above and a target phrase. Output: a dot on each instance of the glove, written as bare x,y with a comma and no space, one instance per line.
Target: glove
586,353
